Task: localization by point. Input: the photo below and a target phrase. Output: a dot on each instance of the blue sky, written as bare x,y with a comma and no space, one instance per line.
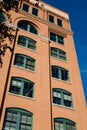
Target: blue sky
77,10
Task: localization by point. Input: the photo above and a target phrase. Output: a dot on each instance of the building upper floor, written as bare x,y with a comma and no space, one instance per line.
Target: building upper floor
46,13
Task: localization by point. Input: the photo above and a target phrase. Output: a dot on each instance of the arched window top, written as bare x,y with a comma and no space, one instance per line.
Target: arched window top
64,120
64,124
61,90
27,42
16,118
59,67
19,110
28,26
25,56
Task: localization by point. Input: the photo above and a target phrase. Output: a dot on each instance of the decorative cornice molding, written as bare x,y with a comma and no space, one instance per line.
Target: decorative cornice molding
51,26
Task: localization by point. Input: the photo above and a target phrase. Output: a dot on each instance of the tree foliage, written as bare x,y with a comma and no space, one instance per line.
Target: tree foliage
6,31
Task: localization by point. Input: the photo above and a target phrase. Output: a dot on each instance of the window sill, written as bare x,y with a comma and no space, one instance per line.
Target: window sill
61,80
27,48
21,96
24,69
57,105
65,61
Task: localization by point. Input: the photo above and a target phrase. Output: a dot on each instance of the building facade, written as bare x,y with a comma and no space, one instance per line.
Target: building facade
41,88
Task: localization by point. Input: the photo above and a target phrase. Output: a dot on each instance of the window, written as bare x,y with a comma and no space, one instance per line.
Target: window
51,18
27,42
17,119
28,27
35,11
60,73
64,124
25,62
2,17
62,97
59,22
57,38
58,53
22,86
25,7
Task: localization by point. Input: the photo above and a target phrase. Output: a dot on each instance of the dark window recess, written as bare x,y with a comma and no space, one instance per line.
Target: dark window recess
51,18
59,22
35,11
25,7
60,73
28,27
56,38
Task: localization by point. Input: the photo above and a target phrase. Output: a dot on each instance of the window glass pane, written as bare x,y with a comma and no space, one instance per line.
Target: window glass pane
22,40
59,22
31,44
9,126
25,7
60,39
11,116
54,52
64,74
14,89
33,29
28,89
51,18
59,126
55,72
62,55
57,100
70,127
35,11
23,25
23,119
19,60
53,37
67,103
56,97
25,127
30,64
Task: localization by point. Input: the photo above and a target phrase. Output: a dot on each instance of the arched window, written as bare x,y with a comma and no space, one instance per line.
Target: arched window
17,119
27,42
24,62
62,97
22,86
25,25
60,73
55,52
64,124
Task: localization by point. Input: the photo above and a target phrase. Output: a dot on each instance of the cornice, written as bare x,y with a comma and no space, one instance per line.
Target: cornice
51,26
